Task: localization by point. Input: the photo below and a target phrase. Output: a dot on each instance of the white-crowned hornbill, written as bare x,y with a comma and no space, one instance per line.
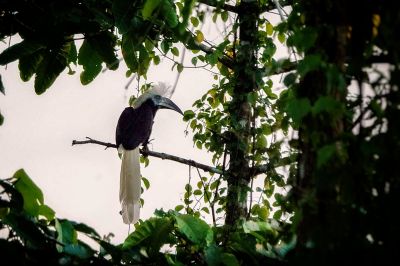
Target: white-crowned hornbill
134,128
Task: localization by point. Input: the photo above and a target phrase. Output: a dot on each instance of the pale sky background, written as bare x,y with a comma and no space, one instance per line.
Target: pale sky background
82,182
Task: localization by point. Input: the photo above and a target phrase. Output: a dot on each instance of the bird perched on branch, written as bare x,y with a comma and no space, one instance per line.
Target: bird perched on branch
134,128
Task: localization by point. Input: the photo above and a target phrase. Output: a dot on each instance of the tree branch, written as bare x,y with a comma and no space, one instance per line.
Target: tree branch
225,60
216,4
160,155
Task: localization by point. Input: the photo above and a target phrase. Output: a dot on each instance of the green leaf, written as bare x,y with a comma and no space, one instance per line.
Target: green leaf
252,226
281,37
128,48
123,12
187,115
156,60
197,192
269,28
303,39
31,193
149,7
179,208
199,36
77,250
47,212
168,10
146,182
263,213
298,108
308,64
83,228
28,65
277,215
261,142
195,21
229,259
213,255
290,79
195,229
66,233
165,45
224,16
2,88
325,153
152,233
327,104
179,67
1,119
54,62
104,44
175,51
91,62
72,53
19,50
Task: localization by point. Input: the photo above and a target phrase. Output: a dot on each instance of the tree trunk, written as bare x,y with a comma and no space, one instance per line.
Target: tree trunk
240,113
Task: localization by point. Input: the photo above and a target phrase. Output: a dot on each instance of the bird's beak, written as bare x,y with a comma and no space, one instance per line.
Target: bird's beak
166,103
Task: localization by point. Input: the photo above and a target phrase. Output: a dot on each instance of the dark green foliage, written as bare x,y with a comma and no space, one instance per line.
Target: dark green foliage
325,153
30,234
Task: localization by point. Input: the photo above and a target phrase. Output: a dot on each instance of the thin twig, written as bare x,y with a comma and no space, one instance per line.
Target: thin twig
207,197
190,178
160,155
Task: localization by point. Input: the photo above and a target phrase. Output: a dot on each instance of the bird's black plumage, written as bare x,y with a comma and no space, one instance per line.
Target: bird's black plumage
134,125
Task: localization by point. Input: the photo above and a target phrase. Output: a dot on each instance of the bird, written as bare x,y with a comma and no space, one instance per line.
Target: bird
134,129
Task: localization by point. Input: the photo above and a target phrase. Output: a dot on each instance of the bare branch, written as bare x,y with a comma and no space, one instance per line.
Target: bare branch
93,141
216,4
161,155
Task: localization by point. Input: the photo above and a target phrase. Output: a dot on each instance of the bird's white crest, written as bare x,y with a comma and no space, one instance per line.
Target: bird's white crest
163,89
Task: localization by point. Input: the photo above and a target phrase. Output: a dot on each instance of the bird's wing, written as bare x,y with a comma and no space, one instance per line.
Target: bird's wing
134,126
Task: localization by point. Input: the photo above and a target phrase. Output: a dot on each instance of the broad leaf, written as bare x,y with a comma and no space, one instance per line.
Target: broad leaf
47,212
169,12
123,12
83,228
72,53
297,109
129,52
66,233
79,250
195,229
91,62
149,7
104,44
28,65
19,50
53,63
213,255
308,64
31,193
154,231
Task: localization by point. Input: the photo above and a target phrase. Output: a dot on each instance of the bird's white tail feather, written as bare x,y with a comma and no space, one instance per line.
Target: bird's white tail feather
130,186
